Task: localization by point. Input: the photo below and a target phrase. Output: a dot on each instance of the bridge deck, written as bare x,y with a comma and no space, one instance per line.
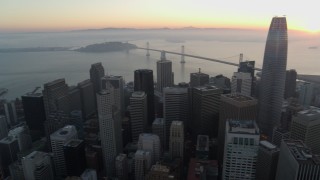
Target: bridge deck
197,57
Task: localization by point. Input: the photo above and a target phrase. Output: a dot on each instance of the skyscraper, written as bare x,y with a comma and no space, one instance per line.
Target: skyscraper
164,73
151,143
247,67
273,76
22,134
176,139
34,113
198,79
241,150
52,93
87,95
37,165
241,83
138,114
142,163
116,83
75,156
3,127
306,127
305,93
122,167
291,82
175,107
96,73
159,128
237,107
58,139
297,162
267,161
205,110
110,130
143,81
9,148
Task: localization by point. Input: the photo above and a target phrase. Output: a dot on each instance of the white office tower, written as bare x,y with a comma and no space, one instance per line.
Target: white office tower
159,128
122,167
115,83
22,134
240,150
142,163
176,139
138,113
175,107
305,90
150,142
164,73
3,127
37,165
305,126
110,130
241,83
89,174
58,139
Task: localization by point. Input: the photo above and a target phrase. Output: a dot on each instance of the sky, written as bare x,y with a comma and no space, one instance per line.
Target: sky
60,15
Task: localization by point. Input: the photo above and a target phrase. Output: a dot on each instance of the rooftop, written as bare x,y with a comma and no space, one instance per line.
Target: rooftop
268,145
138,94
73,143
158,121
160,168
121,157
64,132
239,97
62,80
207,88
36,155
7,140
301,152
178,123
312,113
242,126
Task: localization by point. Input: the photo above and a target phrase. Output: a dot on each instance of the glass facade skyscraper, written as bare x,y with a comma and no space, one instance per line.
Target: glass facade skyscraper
273,76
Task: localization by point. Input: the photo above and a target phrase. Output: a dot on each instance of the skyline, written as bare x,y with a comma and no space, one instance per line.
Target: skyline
37,15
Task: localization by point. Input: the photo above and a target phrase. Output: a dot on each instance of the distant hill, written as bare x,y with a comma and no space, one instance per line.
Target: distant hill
107,47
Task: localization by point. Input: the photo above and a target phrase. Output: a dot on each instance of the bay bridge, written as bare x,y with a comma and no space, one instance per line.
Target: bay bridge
183,55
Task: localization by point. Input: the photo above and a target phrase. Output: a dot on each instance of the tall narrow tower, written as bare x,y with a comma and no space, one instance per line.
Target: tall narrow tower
273,76
164,73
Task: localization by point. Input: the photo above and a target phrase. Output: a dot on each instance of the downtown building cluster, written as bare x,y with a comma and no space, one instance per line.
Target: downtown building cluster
245,127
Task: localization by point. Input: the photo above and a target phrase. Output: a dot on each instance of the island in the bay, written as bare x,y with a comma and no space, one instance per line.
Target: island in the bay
99,47
107,47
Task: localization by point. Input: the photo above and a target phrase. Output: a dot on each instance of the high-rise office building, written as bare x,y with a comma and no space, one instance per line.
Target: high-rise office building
138,114
159,128
273,76
11,113
16,170
198,79
291,83
122,167
205,110
247,67
9,148
279,134
116,83
58,139
175,107
306,127
234,106
297,162
96,73
3,127
34,113
53,94
87,96
164,73
202,147
241,150
55,121
110,130
241,83
37,165
142,163
22,134
143,81
305,90
151,143
176,145
267,160
74,98
75,156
